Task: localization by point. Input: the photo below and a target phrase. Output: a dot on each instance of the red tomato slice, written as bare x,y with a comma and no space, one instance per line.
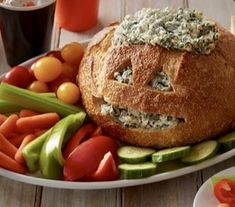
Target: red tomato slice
224,191
107,169
86,157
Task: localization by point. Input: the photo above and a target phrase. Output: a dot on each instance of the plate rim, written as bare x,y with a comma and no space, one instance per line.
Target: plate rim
208,182
29,179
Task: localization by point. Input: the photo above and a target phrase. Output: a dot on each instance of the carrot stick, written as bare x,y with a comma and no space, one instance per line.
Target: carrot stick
17,139
81,133
10,164
2,118
9,125
27,112
6,147
19,156
41,121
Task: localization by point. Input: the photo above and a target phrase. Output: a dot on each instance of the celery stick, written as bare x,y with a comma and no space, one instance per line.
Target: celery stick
50,94
8,107
34,101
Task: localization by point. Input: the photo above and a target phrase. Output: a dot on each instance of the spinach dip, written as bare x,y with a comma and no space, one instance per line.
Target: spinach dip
137,119
180,29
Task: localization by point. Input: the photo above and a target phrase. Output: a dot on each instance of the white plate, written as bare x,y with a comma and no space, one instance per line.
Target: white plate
112,184
205,196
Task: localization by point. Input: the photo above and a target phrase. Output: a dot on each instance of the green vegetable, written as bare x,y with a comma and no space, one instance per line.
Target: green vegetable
169,166
32,151
135,171
131,154
227,141
201,152
35,101
8,107
49,94
51,159
170,154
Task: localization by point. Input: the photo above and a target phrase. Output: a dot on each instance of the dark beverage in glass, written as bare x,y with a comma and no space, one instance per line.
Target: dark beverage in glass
26,31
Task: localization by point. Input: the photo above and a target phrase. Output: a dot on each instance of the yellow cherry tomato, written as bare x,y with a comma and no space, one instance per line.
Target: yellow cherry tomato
47,69
69,71
72,53
38,86
68,92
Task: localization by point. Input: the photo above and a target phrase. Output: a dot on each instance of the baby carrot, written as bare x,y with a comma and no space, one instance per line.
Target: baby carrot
41,121
81,133
2,118
27,112
19,156
9,125
17,139
7,147
10,164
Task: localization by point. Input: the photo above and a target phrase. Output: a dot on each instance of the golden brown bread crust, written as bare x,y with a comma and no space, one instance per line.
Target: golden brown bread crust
203,89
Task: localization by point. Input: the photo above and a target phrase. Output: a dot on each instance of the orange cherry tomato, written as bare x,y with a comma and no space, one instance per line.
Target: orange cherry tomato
54,85
47,69
69,71
38,86
68,92
72,53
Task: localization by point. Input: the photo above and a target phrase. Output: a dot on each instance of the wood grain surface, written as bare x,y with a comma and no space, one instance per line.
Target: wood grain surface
178,192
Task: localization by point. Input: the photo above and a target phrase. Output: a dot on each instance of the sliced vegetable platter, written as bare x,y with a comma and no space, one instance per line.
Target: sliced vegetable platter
34,179
165,172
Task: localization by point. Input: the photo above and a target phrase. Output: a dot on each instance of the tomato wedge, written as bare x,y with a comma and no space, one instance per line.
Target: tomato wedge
86,157
224,191
106,171
81,133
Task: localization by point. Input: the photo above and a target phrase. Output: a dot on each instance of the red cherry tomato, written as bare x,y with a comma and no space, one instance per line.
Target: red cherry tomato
224,191
18,76
85,159
107,169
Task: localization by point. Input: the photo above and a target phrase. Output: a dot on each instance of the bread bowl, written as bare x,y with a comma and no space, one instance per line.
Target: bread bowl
195,102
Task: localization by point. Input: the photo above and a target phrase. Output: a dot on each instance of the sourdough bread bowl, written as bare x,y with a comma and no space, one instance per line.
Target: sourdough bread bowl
193,100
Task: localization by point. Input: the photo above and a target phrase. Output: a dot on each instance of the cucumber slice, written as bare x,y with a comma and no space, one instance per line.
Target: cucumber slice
135,171
134,155
201,152
169,166
227,141
170,154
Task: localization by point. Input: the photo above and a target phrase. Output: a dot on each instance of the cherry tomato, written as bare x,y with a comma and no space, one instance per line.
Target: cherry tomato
69,71
56,54
224,191
72,53
68,92
18,76
106,171
86,157
38,86
47,69
54,85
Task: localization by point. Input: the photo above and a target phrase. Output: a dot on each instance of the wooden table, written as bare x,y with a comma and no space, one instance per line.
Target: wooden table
178,192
